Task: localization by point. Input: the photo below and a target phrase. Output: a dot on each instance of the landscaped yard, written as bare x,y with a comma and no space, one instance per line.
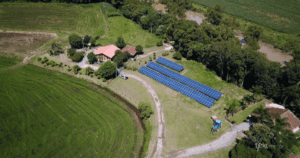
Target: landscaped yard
48,113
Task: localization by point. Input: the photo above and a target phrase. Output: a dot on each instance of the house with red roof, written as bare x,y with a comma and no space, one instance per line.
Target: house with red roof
130,49
106,53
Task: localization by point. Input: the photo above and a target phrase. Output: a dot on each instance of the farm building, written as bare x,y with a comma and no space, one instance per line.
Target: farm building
284,113
130,49
106,53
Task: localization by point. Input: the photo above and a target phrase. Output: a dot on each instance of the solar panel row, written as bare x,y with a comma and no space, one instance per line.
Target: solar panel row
169,64
189,92
185,80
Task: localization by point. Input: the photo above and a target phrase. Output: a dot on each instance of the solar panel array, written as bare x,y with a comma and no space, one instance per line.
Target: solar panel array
185,80
189,92
169,64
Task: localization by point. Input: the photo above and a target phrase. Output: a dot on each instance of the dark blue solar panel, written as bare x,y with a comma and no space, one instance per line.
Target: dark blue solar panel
169,64
189,92
185,80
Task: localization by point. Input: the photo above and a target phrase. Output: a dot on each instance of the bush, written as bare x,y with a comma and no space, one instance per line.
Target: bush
139,49
134,68
60,64
69,69
160,43
45,59
77,57
177,56
71,52
80,73
89,71
75,41
50,52
86,39
166,53
107,70
92,75
145,110
154,56
93,42
150,58
103,79
39,59
120,43
98,77
145,62
76,68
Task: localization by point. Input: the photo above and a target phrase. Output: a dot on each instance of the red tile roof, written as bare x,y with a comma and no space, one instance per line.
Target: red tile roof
130,49
108,51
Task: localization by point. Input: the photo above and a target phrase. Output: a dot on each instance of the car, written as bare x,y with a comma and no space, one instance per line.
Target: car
125,77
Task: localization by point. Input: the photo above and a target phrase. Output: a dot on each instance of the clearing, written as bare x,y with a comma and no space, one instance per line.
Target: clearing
47,113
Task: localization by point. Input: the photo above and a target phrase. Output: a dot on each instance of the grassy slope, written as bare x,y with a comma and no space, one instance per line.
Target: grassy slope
47,113
63,19
278,15
241,116
188,123
6,63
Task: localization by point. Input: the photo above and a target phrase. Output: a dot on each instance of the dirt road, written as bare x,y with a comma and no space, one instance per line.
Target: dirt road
166,47
224,141
160,116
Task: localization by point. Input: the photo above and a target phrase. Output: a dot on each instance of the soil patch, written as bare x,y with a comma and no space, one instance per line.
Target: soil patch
193,16
274,54
25,42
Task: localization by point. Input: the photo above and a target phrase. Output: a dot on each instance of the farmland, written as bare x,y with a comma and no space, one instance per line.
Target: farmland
283,16
45,113
64,19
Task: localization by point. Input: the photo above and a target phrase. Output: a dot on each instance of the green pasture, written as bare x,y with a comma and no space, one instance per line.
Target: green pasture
64,19
46,113
188,123
241,116
283,16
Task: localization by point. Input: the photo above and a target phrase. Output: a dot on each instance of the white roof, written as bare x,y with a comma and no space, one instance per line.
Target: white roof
272,105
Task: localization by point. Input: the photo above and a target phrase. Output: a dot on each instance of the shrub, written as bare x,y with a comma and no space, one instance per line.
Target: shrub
89,71
120,43
145,110
134,68
139,49
75,41
86,39
69,69
107,70
71,52
93,42
98,77
150,58
160,43
154,56
92,75
77,57
177,56
45,59
145,62
103,79
166,53
76,68
65,65
80,73
50,52
60,64
39,59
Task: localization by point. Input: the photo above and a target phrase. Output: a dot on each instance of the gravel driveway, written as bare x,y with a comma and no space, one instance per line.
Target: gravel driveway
224,141
83,63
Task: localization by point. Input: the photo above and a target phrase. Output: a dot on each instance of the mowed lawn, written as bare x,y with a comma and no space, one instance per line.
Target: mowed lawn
283,16
45,113
189,123
64,19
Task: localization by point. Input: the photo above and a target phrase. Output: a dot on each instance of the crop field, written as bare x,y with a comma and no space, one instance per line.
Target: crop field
46,113
64,19
283,16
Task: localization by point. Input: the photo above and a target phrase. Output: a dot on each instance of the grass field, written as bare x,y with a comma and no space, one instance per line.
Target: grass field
45,113
63,19
283,16
188,123
241,116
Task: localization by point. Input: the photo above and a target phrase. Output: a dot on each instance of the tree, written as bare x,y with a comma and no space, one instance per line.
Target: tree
265,116
93,42
127,55
92,58
139,49
159,43
86,39
118,59
75,41
257,91
89,71
76,68
145,110
214,15
77,57
107,70
177,56
56,48
120,43
233,107
71,52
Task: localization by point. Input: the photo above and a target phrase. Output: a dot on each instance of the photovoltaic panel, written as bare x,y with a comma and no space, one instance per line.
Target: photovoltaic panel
169,64
189,92
185,80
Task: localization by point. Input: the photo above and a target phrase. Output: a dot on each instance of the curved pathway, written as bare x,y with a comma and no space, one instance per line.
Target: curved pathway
83,64
160,115
224,141
167,47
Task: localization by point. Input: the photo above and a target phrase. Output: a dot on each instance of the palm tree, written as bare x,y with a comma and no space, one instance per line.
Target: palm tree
264,115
